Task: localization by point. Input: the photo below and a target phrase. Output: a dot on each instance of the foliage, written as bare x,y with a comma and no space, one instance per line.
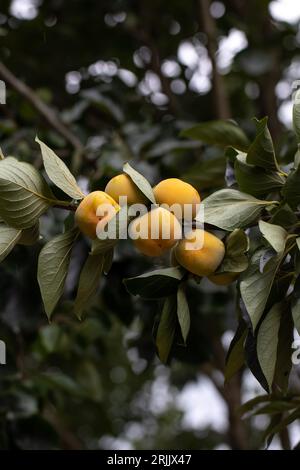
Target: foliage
56,388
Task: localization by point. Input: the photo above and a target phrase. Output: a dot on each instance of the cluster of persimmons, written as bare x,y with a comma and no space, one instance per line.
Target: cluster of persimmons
203,259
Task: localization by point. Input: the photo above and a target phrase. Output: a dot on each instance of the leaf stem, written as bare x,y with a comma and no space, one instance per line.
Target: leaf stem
65,205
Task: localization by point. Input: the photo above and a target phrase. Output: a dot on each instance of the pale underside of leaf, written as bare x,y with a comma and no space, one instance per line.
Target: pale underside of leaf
53,267
24,194
256,286
230,209
267,342
274,234
140,181
59,173
9,237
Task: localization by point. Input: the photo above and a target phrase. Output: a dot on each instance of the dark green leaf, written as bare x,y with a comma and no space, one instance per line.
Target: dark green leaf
220,133
53,267
256,286
261,152
291,189
284,216
155,284
171,145
88,283
107,105
183,313
251,404
256,181
235,357
166,329
108,260
267,342
252,359
284,422
235,259
30,236
206,174
284,350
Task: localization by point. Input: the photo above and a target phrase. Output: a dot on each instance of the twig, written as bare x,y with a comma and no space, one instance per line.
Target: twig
43,109
231,393
208,25
67,207
69,440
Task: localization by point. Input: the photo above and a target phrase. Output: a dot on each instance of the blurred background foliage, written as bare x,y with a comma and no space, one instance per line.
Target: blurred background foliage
106,82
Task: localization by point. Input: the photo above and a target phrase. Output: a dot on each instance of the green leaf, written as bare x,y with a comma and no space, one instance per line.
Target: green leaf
58,172
254,180
252,359
107,105
291,189
50,337
30,236
261,151
230,209
220,133
9,237
284,216
88,283
61,381
102,246
171,145
284,351
166,329
251,404
24,194
155,284
268,436
267,342
53,267
283,423
235,358
235,259
183,313
206,174
108,260
297,157
89,378
274,234
255,286
140,181
296,115
296,314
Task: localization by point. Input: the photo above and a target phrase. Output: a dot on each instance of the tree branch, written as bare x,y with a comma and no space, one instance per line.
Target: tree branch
231,394
144,35
208,26
44,110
